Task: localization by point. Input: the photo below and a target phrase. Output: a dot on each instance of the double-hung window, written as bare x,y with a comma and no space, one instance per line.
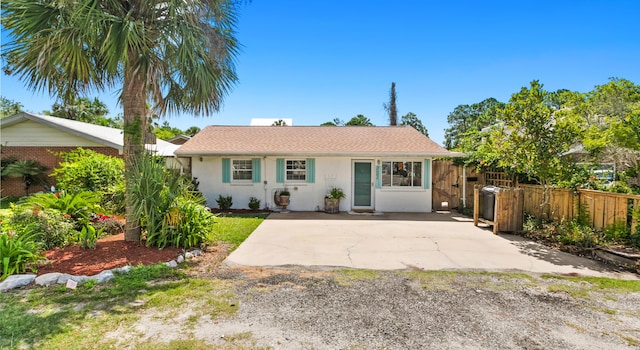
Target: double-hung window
242,169
400,173
296,170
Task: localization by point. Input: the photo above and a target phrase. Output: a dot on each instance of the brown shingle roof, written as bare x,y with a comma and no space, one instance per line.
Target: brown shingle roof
311,140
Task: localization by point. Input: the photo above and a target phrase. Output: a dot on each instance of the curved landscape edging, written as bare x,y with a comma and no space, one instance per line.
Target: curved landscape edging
53,278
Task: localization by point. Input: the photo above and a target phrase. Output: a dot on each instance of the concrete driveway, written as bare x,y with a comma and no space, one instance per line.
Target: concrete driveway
395,241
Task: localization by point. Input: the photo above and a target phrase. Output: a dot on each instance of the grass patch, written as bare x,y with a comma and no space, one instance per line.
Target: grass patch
601,284
575,292
195,344
235,229
347,277
576,327
56,318
631,341
452,280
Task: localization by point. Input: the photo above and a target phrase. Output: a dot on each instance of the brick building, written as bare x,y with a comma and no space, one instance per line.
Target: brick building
31,136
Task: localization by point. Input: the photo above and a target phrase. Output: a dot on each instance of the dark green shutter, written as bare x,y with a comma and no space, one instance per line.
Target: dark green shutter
311,170
279,169
255,169
226,170
427,174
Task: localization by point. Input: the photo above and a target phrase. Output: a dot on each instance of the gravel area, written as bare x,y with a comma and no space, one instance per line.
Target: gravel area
301,309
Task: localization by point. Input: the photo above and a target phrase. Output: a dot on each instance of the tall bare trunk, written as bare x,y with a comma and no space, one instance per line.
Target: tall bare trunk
135,120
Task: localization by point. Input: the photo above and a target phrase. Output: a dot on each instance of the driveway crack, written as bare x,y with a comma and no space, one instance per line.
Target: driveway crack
441,252
353,246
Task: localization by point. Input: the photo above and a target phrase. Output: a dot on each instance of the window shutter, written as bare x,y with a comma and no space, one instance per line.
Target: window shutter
255,169
226,170
311,170
427,174
378,176
279,169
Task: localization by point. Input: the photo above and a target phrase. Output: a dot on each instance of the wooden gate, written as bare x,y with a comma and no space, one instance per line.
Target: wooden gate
446,185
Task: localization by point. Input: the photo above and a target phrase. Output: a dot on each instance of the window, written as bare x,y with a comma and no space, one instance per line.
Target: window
242,170
296,170
401,173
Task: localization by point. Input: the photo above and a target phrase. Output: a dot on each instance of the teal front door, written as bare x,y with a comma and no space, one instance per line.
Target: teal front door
362,184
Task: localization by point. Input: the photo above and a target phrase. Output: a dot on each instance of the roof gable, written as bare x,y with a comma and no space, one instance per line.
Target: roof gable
311,140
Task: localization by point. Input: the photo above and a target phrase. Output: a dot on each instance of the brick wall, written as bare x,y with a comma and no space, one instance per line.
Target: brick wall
47,157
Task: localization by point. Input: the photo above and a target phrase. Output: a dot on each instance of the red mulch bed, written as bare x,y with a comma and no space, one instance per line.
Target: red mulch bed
110,252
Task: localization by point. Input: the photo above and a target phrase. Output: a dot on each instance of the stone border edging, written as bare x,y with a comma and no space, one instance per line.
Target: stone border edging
48,279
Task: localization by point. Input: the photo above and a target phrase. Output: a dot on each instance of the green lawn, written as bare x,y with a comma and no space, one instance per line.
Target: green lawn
234,229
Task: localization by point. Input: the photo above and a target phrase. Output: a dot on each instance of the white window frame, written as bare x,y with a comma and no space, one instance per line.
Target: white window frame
388,172
248,161
293,171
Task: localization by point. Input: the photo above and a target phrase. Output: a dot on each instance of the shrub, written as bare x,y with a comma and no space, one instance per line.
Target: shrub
18,252
618,233
153,193
224,202
254,203
87,170
88,235
79,206
108,225
577,234
188,224
169,211
51,228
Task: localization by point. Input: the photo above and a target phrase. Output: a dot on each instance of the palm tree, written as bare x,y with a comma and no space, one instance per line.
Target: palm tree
177,54
30,171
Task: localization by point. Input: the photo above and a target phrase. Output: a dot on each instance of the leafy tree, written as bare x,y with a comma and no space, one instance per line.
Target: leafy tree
612,112
469,121
9,107
412,120
179,54
166,131
30,171
359,120
334,122
533,136
391,107
84,110
279,122
192,131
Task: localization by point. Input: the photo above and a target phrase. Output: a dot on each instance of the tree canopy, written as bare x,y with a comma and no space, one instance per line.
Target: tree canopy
532,133
84,110
9,107
412,120
359,120
178,54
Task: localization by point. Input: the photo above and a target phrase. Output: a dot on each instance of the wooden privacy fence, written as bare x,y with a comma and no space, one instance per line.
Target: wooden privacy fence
603,208
507,209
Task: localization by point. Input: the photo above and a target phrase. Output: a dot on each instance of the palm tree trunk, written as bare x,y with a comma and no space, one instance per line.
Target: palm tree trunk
135,119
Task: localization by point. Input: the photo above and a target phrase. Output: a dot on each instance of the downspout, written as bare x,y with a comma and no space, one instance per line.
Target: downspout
464,187
264,182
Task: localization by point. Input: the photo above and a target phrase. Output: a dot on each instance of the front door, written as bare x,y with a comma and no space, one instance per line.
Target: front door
362,184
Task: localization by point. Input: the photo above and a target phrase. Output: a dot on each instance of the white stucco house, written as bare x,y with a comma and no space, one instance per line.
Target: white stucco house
384,169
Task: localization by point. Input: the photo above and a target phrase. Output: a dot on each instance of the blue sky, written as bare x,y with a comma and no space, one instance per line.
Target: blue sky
314,61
